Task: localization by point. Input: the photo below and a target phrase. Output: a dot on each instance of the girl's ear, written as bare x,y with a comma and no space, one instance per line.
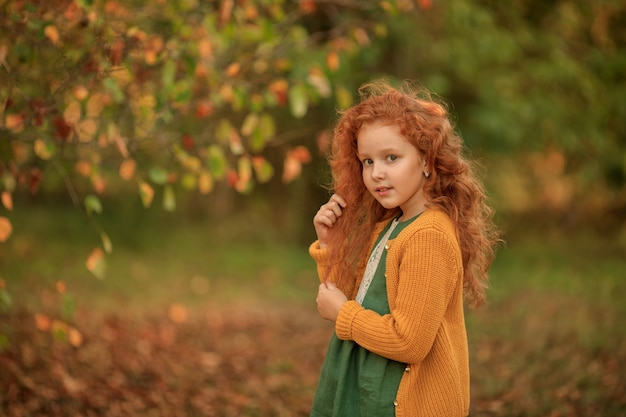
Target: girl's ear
425,169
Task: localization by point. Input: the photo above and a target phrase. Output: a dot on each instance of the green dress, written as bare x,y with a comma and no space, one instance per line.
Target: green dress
355,382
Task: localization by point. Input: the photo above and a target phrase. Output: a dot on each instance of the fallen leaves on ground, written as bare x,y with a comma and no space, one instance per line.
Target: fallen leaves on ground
218,362
265,361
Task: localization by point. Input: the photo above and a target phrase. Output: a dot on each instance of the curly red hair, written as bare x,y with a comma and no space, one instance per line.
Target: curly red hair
452,186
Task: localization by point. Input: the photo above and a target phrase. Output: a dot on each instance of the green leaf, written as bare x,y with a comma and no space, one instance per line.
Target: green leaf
93,204
249,124
5,299
106,242
344,98
298,101
263,170
169,199
264,132
168,74
68,306
189,181
216,161
114,89
158,175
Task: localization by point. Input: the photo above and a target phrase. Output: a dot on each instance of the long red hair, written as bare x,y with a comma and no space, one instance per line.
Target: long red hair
452,185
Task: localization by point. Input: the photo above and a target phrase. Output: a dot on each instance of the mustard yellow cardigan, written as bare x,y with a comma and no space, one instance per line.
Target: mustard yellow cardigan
426,326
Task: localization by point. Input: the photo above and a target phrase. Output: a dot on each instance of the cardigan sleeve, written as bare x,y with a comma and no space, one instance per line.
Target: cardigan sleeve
426,270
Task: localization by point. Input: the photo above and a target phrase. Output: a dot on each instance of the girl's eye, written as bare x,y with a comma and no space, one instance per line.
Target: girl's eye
392,158
367,161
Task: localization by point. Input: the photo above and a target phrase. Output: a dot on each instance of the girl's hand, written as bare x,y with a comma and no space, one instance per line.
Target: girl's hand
327,216
329,301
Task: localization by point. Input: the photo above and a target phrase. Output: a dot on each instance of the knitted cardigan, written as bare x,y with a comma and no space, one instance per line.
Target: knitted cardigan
426,326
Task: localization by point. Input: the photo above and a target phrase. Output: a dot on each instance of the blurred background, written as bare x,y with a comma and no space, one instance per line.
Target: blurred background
161,163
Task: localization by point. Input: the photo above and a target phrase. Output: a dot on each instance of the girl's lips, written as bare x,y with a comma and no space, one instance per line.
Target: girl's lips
382,191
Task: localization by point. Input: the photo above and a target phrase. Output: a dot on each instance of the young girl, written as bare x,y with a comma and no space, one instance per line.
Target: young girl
405,236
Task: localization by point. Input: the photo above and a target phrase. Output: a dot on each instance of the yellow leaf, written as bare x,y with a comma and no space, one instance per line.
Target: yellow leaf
226,93
146,193
244,166
317,79
72,113
344,98
120,144
5,229
86,129
52,33
169,199
7,200
205,182
250,123
95,105
236,147
106,242
44,149
298,101
96,263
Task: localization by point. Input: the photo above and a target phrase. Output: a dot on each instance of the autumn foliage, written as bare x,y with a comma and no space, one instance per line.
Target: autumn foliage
157,97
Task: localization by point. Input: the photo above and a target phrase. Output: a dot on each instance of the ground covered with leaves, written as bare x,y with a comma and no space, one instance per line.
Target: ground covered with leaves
214,362
265,360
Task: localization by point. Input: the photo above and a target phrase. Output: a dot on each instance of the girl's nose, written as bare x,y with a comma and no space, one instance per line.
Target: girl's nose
378,172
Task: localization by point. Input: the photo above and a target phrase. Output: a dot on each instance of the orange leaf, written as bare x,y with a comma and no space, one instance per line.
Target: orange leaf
292,168
7,200
14,122
80,92
42,322
205,182
74,337
205,48
95,263
332,61
302,154
178,313
5,229
52,33
280,89
233,69
204,109
99,183
83,168
127,169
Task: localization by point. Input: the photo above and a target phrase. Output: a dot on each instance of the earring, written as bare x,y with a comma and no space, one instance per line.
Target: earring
426,174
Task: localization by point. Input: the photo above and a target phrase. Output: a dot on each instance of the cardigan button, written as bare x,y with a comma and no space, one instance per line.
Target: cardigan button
387,246
407,369
395,403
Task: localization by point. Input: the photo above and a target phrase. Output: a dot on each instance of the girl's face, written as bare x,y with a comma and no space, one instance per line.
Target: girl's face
393,169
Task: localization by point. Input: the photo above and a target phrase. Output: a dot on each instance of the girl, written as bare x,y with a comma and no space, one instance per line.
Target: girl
405,236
